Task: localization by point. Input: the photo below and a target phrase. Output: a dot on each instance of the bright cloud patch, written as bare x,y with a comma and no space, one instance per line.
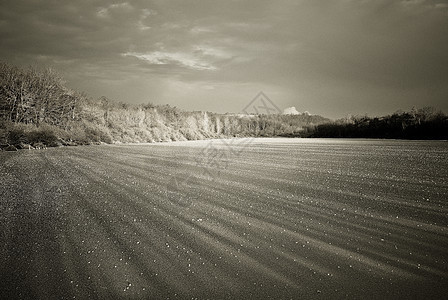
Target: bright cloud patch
105,12
173,58
213,52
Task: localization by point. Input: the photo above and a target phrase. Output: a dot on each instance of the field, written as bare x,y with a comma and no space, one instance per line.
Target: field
247,219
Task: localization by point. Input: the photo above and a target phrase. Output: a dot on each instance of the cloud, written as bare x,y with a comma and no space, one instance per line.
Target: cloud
175,58
144,16
213,52
327,55
201,30
106,12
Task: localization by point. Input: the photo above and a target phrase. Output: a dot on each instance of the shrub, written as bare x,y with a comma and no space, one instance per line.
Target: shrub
156,134
143,135
190,134
44,135
17,135
77,135
3,135
98,134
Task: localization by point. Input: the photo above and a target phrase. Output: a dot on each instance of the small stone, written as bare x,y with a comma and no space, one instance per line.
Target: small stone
39,146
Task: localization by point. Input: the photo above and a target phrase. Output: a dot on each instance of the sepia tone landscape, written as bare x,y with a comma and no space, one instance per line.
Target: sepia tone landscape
243,149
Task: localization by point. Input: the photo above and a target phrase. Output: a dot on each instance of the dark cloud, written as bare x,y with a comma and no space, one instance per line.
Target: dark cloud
328,57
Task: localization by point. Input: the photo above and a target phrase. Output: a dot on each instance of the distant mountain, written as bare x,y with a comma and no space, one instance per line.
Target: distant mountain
291,111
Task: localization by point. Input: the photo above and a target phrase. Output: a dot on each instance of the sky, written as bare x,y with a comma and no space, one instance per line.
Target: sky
334,58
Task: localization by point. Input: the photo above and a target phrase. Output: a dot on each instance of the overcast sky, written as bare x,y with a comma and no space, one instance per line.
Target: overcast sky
332,58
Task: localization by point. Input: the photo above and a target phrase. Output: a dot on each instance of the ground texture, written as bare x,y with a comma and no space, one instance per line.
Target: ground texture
246,219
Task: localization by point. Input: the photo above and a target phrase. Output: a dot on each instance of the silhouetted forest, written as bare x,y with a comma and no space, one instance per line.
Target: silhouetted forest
38,110
424,123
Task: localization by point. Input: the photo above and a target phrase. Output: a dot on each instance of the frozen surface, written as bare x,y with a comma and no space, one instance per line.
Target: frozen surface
266,218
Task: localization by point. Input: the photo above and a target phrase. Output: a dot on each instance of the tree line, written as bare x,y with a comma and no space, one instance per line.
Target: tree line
423,123
37,109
